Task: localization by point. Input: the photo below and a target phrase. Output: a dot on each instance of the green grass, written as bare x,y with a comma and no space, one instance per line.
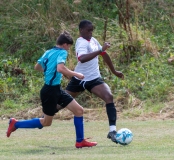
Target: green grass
153,140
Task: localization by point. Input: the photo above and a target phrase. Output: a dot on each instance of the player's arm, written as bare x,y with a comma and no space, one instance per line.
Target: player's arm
108,61
87,57
38,67
67,72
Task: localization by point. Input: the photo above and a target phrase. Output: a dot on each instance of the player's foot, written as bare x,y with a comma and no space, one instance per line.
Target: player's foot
11,127
112,136
85,143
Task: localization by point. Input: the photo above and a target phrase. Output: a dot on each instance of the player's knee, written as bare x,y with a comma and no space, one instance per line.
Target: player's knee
108,98
46,124
79,112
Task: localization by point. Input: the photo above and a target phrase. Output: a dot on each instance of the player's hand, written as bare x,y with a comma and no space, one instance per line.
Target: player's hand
105,46
79,76
119,74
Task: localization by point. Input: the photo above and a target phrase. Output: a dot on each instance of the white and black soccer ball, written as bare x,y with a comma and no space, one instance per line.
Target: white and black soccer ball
124,136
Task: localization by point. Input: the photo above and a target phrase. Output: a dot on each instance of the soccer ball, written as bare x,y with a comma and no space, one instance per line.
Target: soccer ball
124,136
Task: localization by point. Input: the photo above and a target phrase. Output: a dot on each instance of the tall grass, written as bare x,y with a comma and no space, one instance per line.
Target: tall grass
140,50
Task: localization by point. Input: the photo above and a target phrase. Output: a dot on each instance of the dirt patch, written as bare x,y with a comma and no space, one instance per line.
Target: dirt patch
167,112
64,114
96,114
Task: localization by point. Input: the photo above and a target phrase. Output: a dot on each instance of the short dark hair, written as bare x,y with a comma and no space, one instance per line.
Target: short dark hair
84,23
64,37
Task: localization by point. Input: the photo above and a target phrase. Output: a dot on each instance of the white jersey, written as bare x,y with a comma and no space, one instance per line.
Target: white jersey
89,69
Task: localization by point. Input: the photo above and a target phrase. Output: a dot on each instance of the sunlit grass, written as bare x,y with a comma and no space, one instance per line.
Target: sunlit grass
152,140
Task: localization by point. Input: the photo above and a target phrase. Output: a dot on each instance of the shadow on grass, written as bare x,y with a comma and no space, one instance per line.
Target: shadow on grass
74,148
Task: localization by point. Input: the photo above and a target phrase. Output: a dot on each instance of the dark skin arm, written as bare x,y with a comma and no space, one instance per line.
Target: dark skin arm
108,61
87,57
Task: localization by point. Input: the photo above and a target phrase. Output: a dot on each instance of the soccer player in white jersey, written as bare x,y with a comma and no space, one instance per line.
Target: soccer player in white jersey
87,51
52,64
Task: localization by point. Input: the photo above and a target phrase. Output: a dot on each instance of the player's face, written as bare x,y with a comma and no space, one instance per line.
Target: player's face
86,32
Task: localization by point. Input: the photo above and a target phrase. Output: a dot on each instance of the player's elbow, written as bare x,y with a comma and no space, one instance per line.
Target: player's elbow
38,67
35,67
61,68
82,60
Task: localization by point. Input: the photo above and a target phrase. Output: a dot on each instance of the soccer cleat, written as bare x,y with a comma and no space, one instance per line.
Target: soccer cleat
11,127
85,143
112,136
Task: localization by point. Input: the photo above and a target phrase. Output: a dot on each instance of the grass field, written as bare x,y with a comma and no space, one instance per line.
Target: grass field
153,140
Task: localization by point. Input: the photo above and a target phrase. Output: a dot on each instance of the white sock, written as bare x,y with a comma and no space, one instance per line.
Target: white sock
112,128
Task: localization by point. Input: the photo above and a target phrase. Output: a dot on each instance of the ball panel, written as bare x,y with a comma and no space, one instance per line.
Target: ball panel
124,136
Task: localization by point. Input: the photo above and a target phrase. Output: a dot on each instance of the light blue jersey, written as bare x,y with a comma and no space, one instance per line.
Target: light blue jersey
49,61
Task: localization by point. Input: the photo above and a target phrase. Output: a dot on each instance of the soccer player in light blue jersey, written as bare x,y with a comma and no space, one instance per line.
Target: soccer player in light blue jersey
52,63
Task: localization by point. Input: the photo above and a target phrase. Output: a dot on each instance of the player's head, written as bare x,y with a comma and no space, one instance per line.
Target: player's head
86,28
64,37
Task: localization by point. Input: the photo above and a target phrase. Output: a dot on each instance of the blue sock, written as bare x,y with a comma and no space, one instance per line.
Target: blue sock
78,122
32,123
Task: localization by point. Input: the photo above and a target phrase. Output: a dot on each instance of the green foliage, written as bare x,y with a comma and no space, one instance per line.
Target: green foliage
18,84
149,77
141,42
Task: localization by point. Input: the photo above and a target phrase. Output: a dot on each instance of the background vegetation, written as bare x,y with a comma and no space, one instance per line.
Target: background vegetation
140,31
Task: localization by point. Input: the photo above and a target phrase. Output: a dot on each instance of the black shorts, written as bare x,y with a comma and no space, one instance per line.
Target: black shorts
51,96
76,85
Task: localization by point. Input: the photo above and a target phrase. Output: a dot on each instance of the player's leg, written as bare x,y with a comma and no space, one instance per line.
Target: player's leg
77,110
49,103
31,123
74,88
46,120
74,107
73,94
103,91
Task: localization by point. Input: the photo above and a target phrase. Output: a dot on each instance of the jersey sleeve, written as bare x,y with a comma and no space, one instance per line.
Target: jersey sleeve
81,47
42,59
62,57
39,61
